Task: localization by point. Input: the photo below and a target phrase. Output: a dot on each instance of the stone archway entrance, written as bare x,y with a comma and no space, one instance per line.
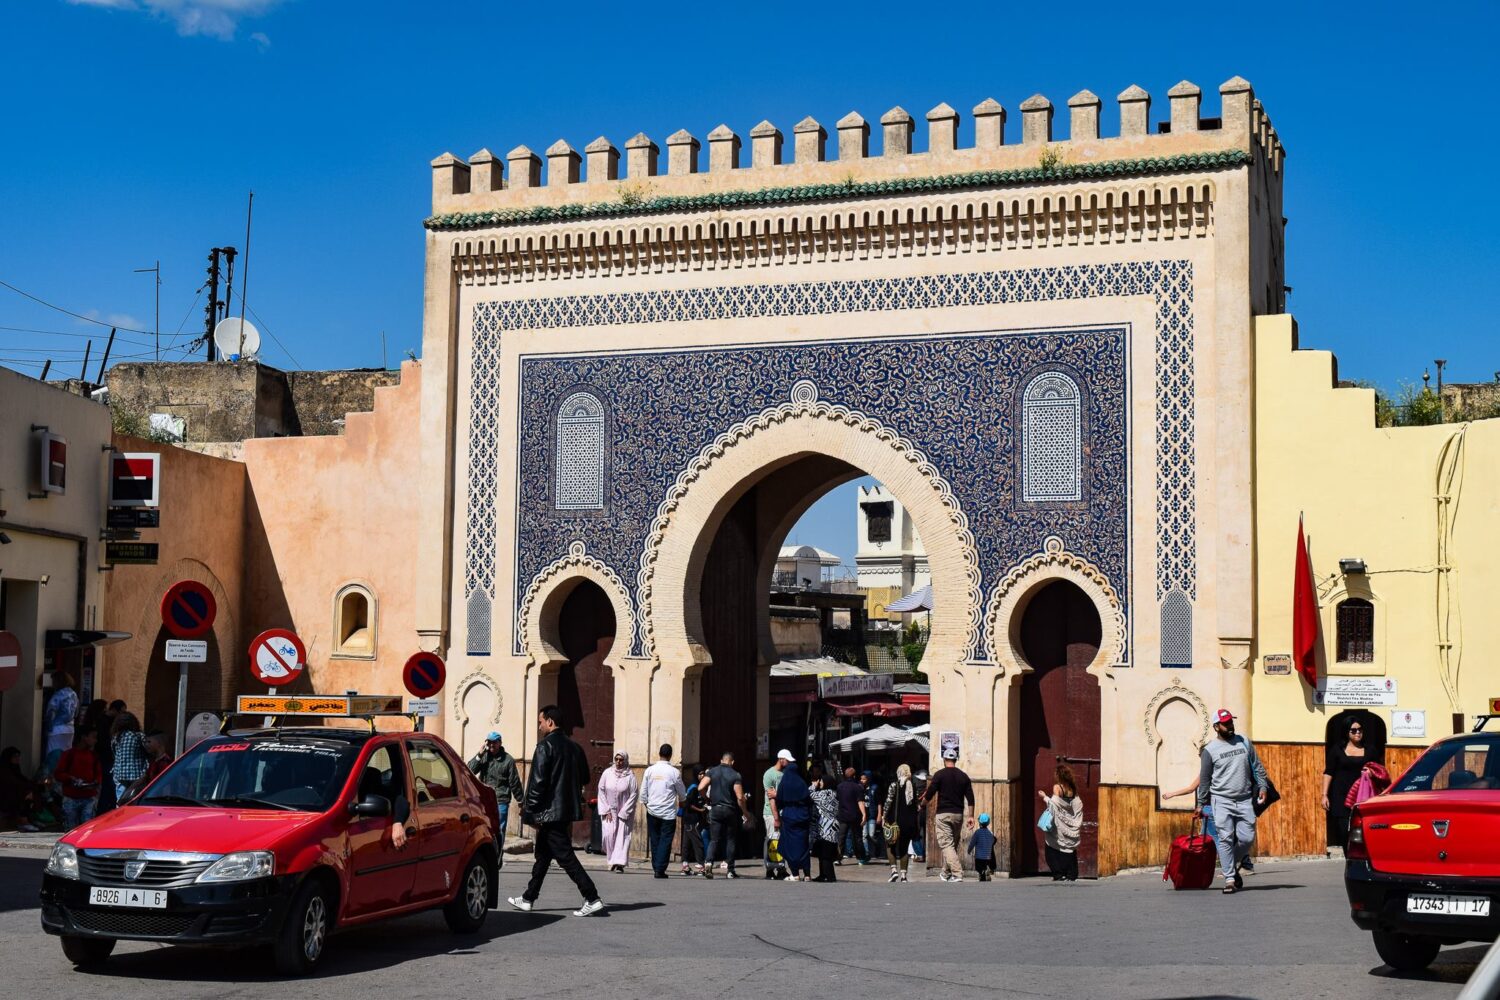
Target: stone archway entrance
1059,635
585,684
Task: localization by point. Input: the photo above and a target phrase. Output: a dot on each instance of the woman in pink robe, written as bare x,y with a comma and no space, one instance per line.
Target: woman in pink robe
618,792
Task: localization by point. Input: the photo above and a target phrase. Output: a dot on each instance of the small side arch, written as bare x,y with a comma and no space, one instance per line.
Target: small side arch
1007,604
537,623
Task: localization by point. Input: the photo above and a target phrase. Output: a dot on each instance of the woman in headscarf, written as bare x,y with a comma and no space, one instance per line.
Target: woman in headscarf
901,815
618,792
825,829
794,806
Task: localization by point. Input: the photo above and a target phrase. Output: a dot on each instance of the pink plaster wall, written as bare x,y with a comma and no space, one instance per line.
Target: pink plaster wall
322,512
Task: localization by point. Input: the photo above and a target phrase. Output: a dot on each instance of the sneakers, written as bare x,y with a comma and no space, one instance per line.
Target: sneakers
903,876
520,903
731,874
708,871
951,878
895,875
1247,867
588,909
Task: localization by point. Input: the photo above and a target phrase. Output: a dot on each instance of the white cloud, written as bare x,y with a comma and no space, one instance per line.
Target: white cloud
262,39
213,18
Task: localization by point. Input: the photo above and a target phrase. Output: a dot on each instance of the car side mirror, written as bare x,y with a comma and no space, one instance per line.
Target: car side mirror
371,805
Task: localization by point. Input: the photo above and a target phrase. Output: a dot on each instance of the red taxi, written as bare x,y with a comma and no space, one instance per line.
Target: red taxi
1423,866
279,837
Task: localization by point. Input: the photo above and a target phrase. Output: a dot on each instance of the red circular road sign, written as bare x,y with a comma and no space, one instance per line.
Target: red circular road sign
188,609
10,660
277,657
424,674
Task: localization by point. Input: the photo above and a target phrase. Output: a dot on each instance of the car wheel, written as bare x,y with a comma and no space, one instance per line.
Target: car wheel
465,913
85,952
299,944
1406,952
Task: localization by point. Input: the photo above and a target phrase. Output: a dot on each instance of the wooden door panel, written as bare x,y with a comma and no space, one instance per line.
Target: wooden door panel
1060,716
586,685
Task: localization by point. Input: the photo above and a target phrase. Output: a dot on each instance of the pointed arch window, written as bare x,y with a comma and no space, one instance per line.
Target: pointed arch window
1051,440
1176,630
580,453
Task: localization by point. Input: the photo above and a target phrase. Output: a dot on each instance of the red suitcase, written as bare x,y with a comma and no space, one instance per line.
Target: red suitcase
1194,858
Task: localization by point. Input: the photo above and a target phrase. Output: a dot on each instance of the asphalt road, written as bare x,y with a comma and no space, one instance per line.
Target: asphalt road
1287,935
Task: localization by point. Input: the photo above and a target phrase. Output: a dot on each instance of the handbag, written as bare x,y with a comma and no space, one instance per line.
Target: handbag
1046,822
1272,797
890,829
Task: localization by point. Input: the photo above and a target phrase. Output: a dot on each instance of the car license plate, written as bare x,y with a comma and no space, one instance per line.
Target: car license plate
1451,906
151,899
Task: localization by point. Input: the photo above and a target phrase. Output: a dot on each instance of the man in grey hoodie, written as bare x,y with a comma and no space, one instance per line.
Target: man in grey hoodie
1230,781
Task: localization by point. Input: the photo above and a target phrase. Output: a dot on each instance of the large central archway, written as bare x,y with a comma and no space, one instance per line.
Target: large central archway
732,507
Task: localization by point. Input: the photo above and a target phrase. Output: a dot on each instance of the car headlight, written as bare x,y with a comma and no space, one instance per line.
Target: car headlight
64,861
239,866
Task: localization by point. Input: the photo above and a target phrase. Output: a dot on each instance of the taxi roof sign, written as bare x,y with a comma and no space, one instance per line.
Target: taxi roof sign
324,706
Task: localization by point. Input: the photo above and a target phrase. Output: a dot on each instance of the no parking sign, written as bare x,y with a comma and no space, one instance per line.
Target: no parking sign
424,674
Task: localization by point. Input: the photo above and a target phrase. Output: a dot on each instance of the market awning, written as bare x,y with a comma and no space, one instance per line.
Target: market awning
880,738
77,638
917,600
884,706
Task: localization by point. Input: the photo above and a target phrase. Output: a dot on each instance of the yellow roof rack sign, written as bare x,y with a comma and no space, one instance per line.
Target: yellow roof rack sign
327,706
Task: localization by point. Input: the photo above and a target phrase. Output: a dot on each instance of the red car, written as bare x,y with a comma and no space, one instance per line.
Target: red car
278,837
1423,861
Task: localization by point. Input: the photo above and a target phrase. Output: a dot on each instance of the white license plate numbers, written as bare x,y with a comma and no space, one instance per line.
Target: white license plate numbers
150,899
1449,906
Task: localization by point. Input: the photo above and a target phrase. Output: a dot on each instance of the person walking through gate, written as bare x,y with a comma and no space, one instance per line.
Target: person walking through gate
796,813
852,815
553,803
769,782
1066,829
824,829
664,792
899,821
1230,780
952,791
726,812
496,768
618,794
694,828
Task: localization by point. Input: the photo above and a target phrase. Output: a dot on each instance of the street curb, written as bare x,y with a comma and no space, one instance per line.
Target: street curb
27,845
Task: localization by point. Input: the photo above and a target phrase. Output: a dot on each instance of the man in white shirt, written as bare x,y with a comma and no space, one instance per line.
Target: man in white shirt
663,792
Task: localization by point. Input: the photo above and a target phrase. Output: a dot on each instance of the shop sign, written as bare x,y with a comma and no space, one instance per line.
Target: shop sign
131,553
847,685
52,463
1359,691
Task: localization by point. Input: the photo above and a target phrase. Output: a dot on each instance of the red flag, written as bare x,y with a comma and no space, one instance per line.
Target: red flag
1304,615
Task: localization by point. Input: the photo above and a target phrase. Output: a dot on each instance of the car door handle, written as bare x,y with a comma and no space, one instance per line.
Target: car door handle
464,818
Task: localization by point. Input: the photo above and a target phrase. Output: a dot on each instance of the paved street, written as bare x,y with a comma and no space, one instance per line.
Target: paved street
1127,937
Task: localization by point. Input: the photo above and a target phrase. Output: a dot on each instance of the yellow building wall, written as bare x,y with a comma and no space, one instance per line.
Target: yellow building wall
876,598
1421,507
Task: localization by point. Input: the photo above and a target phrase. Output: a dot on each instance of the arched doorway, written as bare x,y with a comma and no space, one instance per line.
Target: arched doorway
158,710
1059,638
585,683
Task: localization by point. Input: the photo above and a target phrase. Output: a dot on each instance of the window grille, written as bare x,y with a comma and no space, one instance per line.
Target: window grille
1051,440
1355,619
1176,631
580,453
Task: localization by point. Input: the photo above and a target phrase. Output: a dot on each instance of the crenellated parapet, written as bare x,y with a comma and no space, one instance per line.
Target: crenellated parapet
486,191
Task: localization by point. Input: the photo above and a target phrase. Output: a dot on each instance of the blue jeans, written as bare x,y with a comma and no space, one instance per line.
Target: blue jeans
500,833
77,811
659,834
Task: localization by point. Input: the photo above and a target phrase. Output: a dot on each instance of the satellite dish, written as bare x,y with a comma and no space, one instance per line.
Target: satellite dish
236,338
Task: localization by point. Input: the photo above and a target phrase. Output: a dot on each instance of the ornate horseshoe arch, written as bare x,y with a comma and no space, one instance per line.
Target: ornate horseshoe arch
894,462
1166,694
536,633
461,691
1002,617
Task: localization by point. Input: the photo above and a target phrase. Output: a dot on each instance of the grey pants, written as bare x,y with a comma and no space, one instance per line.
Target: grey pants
1235,820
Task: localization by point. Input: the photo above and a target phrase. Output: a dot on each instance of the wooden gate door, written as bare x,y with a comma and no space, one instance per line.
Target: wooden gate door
586,686
1060,634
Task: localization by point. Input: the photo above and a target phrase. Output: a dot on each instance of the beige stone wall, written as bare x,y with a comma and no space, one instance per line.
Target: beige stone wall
56,538
1205,217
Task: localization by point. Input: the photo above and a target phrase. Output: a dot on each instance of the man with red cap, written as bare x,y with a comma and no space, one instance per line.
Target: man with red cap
1230,780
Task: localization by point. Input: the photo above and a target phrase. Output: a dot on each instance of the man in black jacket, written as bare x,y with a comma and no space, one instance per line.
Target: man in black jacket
553,803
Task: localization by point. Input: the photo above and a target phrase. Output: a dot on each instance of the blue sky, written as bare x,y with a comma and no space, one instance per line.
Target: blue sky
135,128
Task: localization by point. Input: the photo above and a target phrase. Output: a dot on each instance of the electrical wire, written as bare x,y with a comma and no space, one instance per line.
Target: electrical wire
69,312
273,336
1448,482
77,336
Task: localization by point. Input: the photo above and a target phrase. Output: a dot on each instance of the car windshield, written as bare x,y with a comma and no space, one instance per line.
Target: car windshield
1468,764
283,773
